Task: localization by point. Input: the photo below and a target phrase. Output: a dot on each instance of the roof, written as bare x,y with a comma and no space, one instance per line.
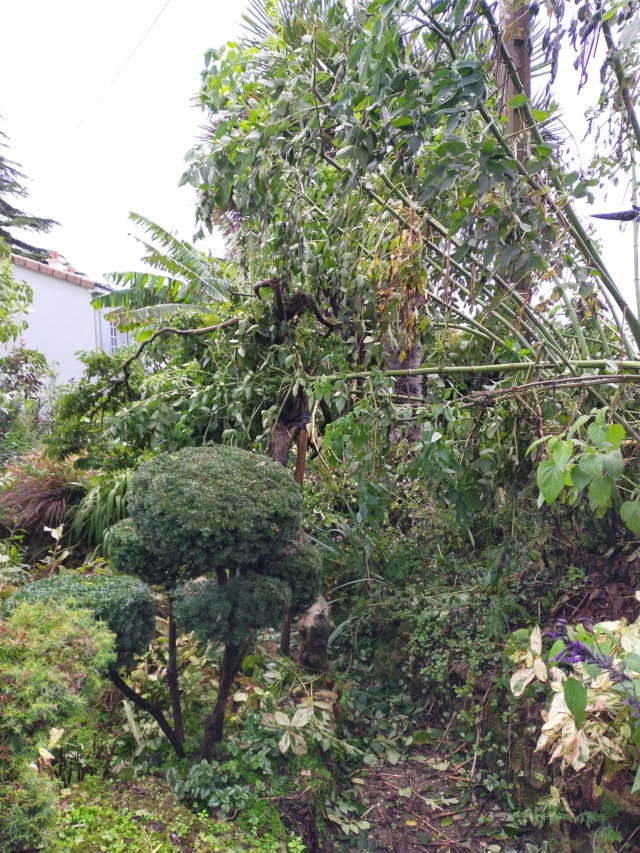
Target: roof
71,277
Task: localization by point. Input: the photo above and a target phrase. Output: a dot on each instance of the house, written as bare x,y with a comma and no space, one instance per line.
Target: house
62,321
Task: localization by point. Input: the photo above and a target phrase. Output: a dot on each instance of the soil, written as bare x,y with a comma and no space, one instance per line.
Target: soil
428,804
608,592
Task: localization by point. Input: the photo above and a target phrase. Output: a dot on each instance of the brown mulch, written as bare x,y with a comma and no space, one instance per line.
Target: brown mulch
608,592
428,804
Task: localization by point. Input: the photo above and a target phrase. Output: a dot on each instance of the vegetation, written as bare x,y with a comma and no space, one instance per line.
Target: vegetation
12,187
410,296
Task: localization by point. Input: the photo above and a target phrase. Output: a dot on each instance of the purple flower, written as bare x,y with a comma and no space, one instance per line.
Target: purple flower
575,651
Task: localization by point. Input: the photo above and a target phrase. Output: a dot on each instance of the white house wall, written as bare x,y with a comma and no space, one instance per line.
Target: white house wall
61,320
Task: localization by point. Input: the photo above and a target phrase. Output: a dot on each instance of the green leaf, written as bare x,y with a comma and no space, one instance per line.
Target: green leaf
636,783
422,737
562,454
517,101
615,435
600,493
630,514
632,662
550,480
598,434
591,465
613,463
575,695
579,478
581,421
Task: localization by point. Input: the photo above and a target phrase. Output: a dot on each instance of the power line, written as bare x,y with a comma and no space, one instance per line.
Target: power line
110,84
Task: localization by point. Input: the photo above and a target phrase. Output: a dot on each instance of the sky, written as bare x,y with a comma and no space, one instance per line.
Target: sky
93,155
56,60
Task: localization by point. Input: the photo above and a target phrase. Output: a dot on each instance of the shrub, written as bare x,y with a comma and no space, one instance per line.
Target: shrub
52,660
27,817
227,513
38,492
300,567
213,506
234,612
124,604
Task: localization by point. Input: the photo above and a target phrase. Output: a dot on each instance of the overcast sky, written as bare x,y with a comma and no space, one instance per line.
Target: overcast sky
57,59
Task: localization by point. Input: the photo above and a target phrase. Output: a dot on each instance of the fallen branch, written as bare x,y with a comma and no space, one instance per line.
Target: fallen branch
167,330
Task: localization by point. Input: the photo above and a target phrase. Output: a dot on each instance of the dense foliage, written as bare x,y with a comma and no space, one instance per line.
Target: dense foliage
410,294
124,605
214,507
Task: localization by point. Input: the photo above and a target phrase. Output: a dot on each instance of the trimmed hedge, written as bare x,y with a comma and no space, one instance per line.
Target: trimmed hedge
214,507
124,604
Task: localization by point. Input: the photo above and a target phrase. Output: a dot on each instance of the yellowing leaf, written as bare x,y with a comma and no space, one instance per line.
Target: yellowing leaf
410,823
536,641
539,669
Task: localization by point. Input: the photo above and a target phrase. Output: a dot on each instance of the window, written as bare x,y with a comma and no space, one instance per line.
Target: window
113,338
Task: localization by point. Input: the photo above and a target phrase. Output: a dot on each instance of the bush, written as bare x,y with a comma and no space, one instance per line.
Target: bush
37,493
300,567
211,506
234,612
29,804
124,604
52,660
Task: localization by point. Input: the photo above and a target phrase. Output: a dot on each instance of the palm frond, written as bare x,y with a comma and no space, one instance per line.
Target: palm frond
127,318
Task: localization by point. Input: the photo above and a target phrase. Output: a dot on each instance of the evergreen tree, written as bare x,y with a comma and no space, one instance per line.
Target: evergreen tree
12,187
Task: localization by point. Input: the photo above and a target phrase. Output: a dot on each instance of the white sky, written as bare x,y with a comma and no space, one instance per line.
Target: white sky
56,60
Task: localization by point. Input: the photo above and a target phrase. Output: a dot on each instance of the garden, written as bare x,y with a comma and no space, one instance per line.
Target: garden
342,551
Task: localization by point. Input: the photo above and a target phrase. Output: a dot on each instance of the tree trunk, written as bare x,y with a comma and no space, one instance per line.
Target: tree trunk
315,627
144,704
409,387
515,25
172,679
214,723
281,442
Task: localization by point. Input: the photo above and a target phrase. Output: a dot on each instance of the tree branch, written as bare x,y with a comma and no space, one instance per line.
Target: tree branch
168,330
150,708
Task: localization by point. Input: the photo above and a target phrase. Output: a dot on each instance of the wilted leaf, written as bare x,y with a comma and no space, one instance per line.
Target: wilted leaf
302,716
535,642
285,743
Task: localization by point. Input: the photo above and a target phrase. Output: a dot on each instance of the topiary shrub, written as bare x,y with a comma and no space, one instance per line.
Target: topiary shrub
232,613
300,567
214,506
233,516
124,604
126,551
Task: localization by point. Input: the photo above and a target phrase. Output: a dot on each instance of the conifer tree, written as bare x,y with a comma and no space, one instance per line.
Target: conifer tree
11,217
